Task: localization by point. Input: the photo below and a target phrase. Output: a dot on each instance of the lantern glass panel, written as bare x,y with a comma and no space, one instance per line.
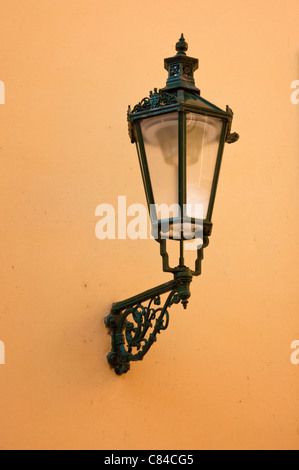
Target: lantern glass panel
160,136
203,138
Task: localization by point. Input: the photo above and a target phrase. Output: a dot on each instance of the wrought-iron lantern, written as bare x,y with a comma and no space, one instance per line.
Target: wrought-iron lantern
180,138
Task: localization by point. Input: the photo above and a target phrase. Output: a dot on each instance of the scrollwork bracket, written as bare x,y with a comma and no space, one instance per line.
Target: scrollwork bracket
135,323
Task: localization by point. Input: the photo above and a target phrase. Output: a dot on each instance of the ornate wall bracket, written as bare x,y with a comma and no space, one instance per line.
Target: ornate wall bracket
135,323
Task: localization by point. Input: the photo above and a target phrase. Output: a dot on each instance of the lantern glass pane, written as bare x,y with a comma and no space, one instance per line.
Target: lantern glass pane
203,138
160,136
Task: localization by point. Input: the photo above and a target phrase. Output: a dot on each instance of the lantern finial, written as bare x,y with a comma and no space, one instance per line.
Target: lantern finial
181,46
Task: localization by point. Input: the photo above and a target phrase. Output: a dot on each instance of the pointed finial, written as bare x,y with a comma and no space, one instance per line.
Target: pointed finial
181,46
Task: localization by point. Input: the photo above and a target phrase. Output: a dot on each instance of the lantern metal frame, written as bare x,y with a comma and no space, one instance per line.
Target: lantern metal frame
135,322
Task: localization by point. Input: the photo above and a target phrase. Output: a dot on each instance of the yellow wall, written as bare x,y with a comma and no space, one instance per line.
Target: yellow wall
221,375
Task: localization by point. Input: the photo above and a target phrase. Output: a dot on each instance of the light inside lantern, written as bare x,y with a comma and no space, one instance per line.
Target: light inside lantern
160,135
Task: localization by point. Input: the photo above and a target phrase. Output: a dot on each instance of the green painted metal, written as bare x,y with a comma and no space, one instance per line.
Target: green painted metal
182,180
182,189
134,326
181,68
217,171
145,170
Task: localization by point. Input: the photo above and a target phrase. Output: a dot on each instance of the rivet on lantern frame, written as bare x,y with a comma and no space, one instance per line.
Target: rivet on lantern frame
185,130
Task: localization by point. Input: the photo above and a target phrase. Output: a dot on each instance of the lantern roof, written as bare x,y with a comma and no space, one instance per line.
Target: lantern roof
180,93
180,88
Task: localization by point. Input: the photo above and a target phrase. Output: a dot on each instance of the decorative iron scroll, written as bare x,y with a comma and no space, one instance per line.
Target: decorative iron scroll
155,100
177,70
134,329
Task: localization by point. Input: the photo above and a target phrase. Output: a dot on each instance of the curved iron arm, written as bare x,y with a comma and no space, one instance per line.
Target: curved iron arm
134,327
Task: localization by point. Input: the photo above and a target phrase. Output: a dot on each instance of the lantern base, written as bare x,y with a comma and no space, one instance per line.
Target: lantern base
178,229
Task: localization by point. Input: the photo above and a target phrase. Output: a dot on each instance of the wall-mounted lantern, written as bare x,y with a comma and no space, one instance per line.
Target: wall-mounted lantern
179,138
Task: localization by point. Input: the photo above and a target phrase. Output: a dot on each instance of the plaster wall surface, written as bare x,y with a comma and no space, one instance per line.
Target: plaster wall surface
221,375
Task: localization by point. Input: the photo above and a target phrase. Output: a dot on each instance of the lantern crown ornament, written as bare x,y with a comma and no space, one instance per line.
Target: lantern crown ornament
181,68
179,138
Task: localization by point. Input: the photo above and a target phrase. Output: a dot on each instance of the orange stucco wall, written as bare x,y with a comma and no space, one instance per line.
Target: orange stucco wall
221,375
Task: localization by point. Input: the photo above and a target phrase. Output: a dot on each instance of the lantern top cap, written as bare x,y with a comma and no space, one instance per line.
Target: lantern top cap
181,69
